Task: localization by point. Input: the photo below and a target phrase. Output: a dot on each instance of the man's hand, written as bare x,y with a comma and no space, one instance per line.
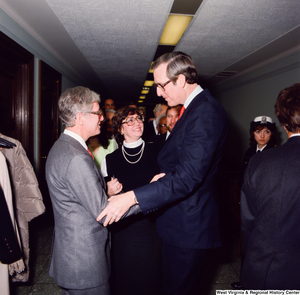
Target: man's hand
117,207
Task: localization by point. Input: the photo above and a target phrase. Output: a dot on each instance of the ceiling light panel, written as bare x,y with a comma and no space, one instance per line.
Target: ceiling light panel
174,28
148,83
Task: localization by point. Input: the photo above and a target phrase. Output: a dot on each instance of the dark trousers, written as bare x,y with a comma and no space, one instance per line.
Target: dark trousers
182,270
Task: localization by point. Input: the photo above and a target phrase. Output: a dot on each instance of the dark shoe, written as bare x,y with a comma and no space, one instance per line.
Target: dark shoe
236,286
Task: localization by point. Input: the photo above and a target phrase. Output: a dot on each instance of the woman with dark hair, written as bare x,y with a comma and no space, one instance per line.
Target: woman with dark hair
136,247
263,135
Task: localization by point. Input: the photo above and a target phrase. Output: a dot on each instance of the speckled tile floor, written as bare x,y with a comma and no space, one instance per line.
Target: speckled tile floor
223,264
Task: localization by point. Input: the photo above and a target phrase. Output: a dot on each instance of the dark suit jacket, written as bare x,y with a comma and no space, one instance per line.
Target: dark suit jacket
251,151
80,252
270,204
148,130
158,140
188,192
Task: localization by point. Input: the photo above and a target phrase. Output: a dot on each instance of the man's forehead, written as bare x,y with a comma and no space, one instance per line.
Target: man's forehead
160,73
173,111
95,107
109,101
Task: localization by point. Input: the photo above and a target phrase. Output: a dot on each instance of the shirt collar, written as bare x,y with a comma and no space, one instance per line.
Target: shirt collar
257,149
77,137
295,134
154,125
168,133
132,145
195,92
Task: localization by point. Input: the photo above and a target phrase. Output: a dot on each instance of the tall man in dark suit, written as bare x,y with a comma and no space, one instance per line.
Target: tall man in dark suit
80,261
189,223
270,204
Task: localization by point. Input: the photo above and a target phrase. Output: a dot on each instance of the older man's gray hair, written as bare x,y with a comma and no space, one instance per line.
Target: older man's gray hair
73,101
157,108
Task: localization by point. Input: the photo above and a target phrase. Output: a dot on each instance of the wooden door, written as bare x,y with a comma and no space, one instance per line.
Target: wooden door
16,92
49,127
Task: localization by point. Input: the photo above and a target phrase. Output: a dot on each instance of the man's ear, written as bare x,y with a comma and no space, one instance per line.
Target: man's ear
79,119
181,80
289,133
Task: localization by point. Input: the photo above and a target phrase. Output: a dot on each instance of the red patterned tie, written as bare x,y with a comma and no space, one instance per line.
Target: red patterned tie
90,153
181,112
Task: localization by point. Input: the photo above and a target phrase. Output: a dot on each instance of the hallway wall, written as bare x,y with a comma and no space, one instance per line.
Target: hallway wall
243,97
69,78
253,94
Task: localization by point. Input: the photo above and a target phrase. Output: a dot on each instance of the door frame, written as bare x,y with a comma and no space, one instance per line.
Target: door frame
23,100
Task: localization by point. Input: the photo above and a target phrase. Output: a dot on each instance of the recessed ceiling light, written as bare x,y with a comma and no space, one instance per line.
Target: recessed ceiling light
174,28
150,70
148,83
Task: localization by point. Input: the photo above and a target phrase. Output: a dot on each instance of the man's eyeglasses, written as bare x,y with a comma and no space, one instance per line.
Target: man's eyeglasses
131,120
162,86
163,125
99,113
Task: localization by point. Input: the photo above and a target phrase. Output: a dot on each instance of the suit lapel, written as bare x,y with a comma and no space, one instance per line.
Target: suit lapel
77,145
188,110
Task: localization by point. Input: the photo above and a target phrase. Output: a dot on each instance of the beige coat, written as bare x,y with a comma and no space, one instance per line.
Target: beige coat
26,195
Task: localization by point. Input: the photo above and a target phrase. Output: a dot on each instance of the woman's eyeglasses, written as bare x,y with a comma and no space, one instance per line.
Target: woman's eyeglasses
131,120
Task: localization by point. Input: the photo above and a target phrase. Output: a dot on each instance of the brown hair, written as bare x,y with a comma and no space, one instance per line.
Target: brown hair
120,115
287,107
270,126
178,63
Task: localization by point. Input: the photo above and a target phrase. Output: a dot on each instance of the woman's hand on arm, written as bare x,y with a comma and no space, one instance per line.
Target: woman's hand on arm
113,187
157,177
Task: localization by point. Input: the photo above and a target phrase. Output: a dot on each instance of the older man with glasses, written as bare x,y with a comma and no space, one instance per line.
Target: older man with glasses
80,261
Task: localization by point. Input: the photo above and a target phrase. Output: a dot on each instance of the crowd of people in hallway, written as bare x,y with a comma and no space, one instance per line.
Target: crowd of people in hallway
135,202
144,175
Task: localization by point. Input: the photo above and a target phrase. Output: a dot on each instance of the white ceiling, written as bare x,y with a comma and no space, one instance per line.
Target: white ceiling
113,42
